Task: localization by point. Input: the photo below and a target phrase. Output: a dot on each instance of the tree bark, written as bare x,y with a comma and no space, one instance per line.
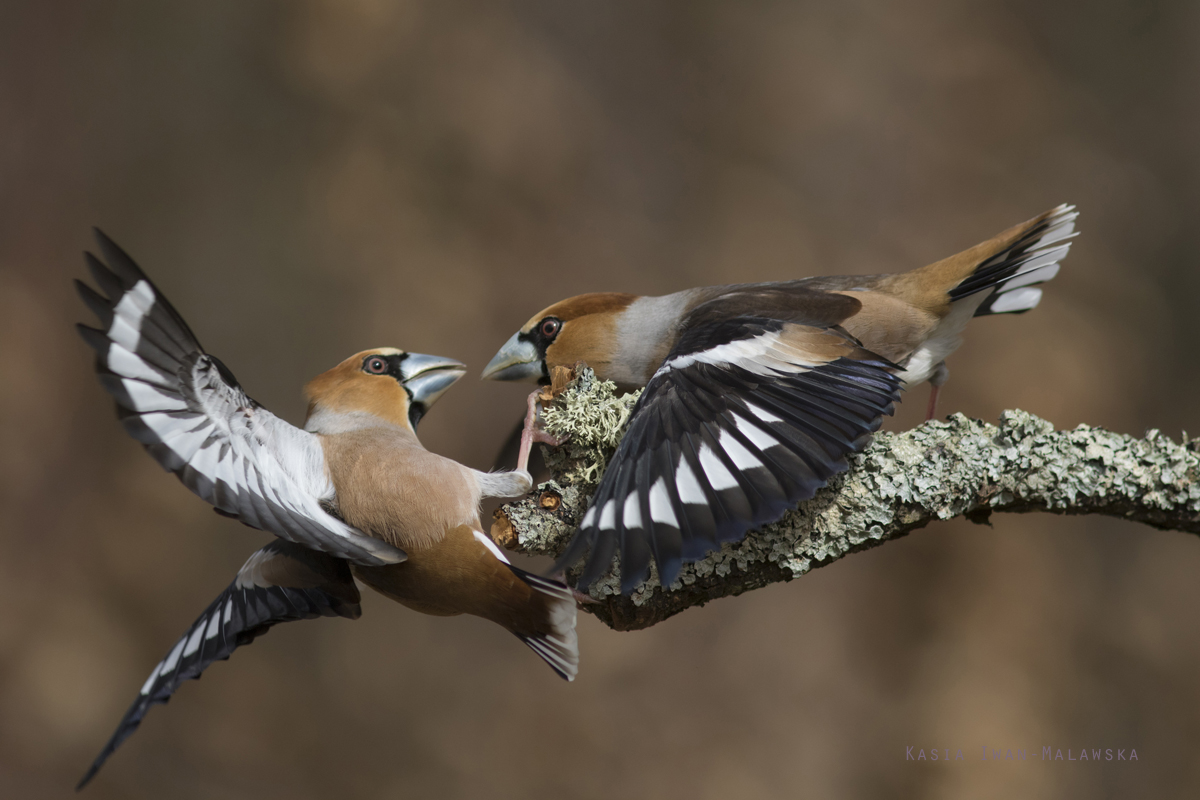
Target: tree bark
900,482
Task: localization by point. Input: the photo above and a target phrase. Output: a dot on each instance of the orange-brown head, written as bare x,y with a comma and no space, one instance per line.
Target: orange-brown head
382,384
582,328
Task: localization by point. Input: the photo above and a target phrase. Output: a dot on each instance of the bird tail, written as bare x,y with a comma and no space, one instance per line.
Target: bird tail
554,639
1001,274
1011,276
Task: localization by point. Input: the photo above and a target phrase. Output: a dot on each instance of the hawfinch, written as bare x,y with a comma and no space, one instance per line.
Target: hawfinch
756,393
351,495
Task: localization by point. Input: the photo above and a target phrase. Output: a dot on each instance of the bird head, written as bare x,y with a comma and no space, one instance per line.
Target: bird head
582,328
384,383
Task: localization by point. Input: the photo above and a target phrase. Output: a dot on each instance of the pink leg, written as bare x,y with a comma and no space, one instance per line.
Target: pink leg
532,433
933,395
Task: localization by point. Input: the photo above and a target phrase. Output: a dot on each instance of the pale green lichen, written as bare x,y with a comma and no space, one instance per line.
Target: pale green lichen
593,415
902,481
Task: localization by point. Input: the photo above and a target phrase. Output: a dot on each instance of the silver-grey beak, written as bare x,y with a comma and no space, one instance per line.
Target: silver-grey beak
518,360
427,377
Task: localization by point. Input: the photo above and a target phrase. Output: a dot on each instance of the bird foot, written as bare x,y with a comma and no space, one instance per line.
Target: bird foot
533,433
584,599
540,435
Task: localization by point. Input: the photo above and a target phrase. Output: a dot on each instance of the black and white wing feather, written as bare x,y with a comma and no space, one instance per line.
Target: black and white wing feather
191,415
281,582
746,418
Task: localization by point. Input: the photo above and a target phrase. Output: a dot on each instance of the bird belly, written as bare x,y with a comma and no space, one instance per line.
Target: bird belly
922,363
455,576
941,342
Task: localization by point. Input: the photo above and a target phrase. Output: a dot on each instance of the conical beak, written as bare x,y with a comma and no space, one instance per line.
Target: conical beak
518,360
428,377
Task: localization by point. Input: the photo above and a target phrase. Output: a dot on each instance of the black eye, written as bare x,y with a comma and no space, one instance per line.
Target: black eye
376,366
550,327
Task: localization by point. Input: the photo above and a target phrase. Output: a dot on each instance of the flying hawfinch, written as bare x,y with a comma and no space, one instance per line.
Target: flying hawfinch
756,393
351,495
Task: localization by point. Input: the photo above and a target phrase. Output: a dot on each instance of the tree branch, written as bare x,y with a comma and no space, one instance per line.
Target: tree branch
901,482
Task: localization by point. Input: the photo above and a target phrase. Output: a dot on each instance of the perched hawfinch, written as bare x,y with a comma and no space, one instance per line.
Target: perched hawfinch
755,393
351,495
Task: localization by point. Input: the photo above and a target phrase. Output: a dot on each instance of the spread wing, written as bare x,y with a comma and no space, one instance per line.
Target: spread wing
747,417
191,415
281,582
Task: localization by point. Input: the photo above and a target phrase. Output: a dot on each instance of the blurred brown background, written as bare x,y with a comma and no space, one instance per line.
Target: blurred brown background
309,179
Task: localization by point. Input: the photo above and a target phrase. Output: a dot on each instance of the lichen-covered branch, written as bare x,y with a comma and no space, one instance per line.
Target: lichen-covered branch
939,470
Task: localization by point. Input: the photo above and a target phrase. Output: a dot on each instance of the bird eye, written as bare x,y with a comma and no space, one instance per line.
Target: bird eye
550,327
376,366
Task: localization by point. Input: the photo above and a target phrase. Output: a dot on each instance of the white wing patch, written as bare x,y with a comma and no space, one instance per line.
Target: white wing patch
757,436
148,398
135,303
742,458
123,362
766,354
762,413
173,659
632,516
608,516
153,677
194,643
660,504
688,487
719,476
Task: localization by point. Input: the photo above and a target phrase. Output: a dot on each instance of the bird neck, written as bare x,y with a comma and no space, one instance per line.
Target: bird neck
644,333
324,420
